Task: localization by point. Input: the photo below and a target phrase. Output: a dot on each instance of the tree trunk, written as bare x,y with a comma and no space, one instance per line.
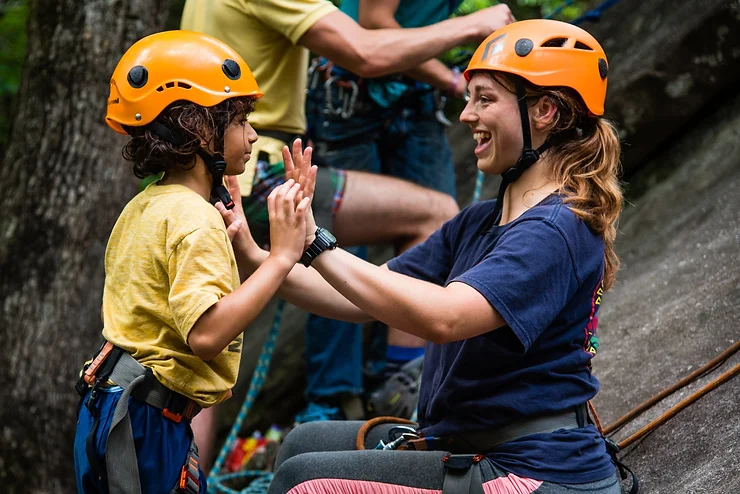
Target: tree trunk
64,183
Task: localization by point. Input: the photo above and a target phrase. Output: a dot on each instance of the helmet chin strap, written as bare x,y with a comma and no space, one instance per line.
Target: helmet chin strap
215,163
217,166
528,158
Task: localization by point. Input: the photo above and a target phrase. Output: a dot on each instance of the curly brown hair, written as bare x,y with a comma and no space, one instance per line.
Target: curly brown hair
190,123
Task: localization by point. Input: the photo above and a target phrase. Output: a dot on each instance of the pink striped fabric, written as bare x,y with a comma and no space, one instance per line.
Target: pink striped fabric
511,484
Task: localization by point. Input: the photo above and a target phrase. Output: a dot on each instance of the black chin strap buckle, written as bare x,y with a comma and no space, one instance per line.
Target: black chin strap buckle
217,166
219,192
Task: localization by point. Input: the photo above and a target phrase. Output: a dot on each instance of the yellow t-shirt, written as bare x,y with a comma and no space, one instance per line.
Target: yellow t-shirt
265,33
168,260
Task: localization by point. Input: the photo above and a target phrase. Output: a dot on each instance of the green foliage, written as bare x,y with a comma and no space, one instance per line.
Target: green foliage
13,16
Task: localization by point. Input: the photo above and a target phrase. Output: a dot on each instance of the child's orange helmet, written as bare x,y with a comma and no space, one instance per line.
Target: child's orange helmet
547,53
170,66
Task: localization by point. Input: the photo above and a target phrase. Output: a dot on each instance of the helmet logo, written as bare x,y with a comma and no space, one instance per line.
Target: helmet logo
603,68
523,47
231,69
494,46
137,77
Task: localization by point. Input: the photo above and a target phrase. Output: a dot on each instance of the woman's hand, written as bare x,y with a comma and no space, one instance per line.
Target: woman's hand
298,168
287,222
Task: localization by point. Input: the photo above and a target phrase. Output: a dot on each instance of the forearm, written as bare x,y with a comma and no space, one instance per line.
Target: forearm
230,316
305,288
395,50
376,52
432,72
413,306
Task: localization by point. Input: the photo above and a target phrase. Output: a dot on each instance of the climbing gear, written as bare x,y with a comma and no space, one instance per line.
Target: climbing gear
465,451
114,365
177,65
593,16
399,395
547,53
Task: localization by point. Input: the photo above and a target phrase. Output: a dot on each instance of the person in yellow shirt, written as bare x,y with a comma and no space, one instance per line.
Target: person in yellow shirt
274,37
174,303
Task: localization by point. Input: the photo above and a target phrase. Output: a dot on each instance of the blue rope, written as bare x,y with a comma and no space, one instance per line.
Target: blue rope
258,379
594,15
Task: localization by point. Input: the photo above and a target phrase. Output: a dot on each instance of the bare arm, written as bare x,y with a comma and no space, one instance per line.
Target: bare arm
224,321
379,14
434,313
305,288
376,52
300,286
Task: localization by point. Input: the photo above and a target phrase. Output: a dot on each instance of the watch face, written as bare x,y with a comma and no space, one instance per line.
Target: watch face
330,239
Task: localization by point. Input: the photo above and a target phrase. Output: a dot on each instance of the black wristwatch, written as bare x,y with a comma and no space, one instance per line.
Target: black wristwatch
324,241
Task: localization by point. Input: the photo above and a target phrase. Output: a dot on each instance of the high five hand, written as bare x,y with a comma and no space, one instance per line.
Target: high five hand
298,168
287,222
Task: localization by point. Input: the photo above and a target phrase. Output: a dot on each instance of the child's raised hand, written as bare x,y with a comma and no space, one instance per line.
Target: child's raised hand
287,222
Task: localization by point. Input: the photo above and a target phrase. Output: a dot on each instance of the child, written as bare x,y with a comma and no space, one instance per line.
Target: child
173,306
506,293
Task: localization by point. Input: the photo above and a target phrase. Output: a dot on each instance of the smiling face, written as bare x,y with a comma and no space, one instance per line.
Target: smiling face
238,139
493,115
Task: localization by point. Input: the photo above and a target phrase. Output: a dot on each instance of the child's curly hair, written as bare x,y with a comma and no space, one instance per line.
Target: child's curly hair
152,155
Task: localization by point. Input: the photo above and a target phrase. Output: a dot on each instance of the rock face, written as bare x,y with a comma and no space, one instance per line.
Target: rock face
674,69
674,308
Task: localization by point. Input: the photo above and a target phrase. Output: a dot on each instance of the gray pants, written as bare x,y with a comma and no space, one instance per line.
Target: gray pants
321,457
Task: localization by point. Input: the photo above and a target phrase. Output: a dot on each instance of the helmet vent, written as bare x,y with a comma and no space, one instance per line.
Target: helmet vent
554,43
160,89
169,85
183,85
583,46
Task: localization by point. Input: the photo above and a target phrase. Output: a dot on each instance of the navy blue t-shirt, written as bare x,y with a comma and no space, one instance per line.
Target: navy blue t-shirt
543,273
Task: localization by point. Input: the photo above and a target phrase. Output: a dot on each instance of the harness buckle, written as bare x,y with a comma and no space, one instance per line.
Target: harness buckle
190,474
92,369
461,462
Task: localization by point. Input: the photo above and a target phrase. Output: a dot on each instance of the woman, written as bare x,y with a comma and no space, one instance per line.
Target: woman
506,293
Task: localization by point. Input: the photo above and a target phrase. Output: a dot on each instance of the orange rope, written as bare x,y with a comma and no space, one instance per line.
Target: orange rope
680,406
362,433
719,359
595,416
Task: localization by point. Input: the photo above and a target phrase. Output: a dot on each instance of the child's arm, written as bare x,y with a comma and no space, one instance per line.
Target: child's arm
302,287
228,318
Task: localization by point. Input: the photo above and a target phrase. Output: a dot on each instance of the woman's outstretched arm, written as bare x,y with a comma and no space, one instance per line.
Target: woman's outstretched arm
303,287
437,314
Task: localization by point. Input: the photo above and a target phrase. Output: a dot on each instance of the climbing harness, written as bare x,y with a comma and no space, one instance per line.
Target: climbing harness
115,366
465,451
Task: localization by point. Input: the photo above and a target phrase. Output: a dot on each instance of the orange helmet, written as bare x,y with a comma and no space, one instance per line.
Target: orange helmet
170,66
547,53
